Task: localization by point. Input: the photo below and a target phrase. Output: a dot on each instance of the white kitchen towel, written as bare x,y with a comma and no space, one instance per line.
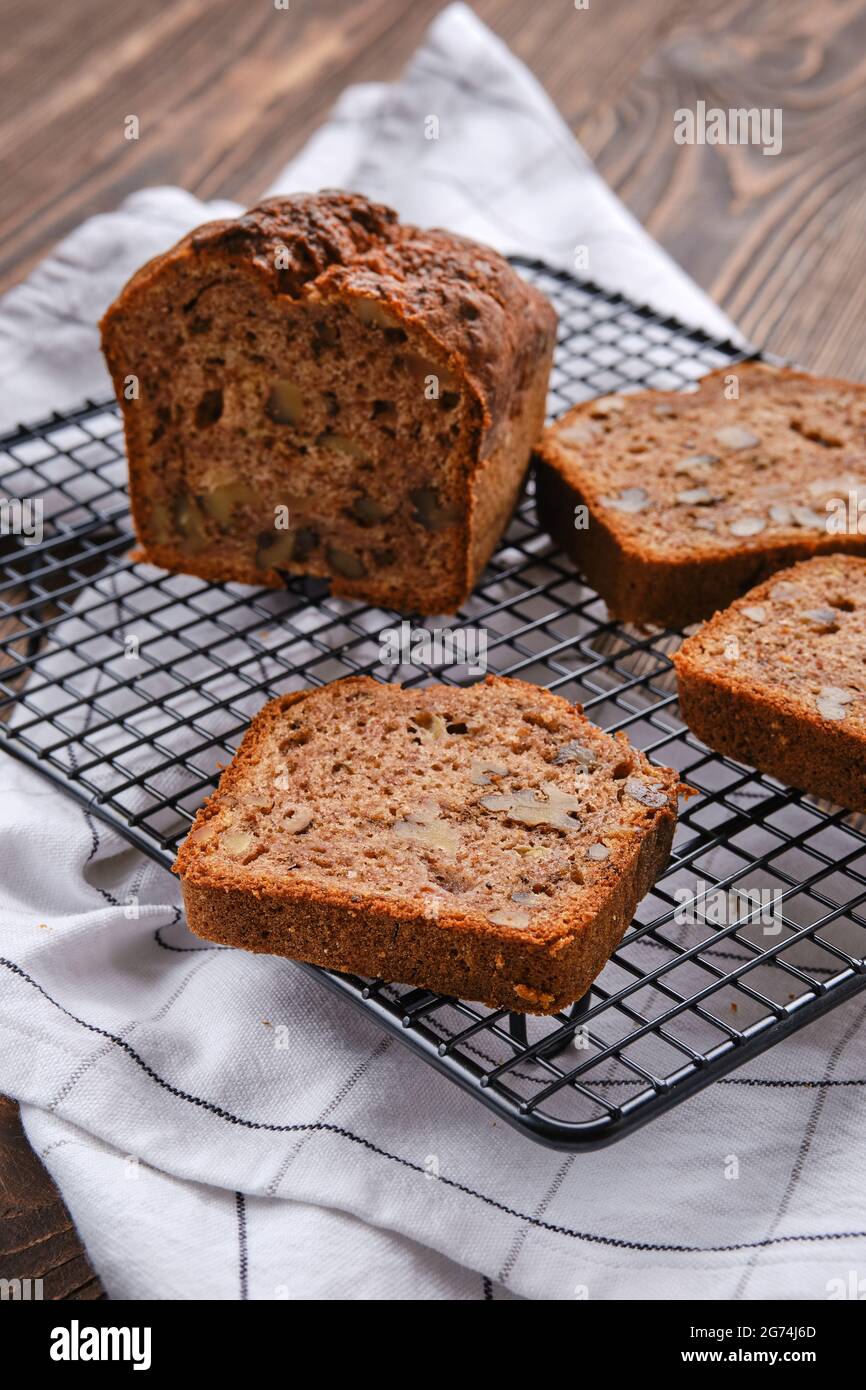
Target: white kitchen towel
223,1126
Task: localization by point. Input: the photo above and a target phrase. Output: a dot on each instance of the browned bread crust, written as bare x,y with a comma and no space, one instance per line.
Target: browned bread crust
354,314
684,462
778,680
402,834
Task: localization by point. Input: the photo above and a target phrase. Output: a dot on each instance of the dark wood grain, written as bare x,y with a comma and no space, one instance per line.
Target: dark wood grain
227,92
37,1239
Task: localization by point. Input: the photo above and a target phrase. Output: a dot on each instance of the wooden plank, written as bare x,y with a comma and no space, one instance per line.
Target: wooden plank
37,1239
224,102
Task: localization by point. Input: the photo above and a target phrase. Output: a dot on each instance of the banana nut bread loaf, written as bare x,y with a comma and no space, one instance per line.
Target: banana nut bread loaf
778,680
488,842
692,498
317,389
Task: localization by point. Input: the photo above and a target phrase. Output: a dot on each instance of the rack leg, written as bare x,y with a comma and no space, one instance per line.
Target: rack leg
562,1039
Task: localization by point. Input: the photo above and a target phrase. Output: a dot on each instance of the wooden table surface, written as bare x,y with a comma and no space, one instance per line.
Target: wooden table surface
226,95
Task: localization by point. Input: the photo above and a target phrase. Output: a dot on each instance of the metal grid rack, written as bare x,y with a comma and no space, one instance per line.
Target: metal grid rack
129,687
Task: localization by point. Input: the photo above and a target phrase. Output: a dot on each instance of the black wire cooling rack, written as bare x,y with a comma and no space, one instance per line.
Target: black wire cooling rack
129,687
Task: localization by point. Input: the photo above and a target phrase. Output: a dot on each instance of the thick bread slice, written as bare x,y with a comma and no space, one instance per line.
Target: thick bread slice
487,842
778,680
694,497
316,389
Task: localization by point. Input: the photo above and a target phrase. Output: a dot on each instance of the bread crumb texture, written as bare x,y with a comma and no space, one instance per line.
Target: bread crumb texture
486,841
694,497
778,680
321,390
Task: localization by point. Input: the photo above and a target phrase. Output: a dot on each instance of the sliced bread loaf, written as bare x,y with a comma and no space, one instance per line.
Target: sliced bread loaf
778,680
488,842
692,498
316,389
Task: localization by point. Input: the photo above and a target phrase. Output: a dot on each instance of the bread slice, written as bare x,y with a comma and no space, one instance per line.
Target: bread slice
693,498
315,389
488,842
778,680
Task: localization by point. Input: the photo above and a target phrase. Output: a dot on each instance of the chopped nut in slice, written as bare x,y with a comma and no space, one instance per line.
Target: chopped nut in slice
575,753
647,793
203,833
237,842
695,497
480,772
608,405
342,444
253,803
345,563
225,498
240,844
755,612
526,807
160,521
810,519
285,404
430,511
425,827
696,464
838,487
598,851
832,702
431,727
298,821
823,619
374,313
737,437
783,591
581,432
631,500
190,521
747,526
367,511
510,917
